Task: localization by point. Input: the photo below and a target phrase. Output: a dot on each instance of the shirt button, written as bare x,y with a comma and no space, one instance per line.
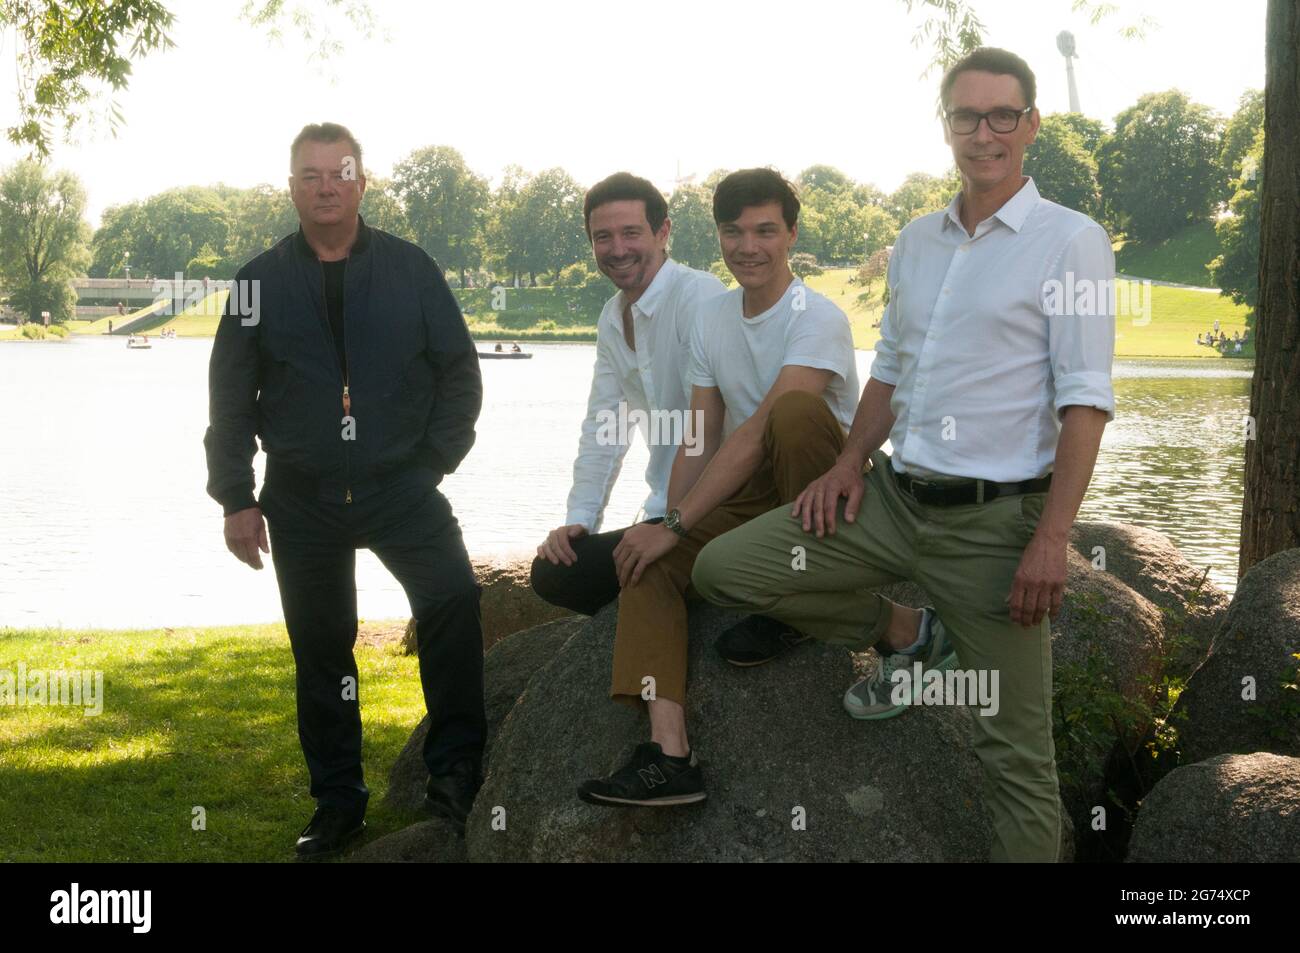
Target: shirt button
947,291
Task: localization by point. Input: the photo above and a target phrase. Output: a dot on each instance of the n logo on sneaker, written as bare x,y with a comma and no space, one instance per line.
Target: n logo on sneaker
652,776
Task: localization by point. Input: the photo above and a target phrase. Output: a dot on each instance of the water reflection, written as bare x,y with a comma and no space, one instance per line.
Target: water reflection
106,522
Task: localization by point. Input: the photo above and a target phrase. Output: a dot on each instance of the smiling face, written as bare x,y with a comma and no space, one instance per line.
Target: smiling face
988,159
627,250
756,246
326,185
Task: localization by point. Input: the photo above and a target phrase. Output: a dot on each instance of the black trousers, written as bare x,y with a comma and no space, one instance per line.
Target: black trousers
591,583
410,527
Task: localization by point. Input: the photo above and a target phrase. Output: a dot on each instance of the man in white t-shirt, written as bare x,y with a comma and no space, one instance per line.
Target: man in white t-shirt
642,351
774,385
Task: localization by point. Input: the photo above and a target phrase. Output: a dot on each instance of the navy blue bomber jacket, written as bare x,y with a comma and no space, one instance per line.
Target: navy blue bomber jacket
413,380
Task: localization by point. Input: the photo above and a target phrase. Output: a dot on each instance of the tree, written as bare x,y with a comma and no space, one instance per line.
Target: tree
382,208
1159,169
552,206
1090,131
1236,270
42,239
1239,135
446,206
65,50
920,194
824,177
1063,170
694,240
1270,517
805,265
507,226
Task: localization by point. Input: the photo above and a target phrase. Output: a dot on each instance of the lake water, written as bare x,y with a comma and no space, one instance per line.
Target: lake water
106,522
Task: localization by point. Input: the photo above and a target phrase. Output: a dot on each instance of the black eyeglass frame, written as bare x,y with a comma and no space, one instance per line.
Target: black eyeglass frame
986,117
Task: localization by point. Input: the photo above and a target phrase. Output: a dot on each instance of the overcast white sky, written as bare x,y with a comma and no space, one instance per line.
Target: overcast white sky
596,87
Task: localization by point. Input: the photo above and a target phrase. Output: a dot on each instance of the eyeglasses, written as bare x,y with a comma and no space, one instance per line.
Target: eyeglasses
965,121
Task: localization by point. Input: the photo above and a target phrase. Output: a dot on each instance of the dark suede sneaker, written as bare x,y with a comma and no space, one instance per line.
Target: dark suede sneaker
650,779
451,795
757,639
328,831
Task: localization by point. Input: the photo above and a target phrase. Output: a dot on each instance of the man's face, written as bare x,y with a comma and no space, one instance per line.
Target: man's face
987,158
627,250
327,184
757,245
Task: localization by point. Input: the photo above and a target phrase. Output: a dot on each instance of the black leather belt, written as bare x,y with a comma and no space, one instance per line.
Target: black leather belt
967,491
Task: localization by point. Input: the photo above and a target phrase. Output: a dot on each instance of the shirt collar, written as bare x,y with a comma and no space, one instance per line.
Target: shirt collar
652,296
1012,214
360,244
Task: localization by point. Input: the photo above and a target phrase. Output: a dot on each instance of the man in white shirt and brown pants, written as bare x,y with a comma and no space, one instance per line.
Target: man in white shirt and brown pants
994,394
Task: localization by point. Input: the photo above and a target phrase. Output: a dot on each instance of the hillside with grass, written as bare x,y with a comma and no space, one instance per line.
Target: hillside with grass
1183,258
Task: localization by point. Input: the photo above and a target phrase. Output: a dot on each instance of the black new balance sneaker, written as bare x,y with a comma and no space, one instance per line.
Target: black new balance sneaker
650,779
757,639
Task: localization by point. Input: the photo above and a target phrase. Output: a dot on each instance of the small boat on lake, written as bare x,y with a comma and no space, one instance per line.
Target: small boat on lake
501,354
138,342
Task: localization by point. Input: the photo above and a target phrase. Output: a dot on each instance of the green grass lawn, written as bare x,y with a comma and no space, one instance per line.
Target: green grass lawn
1181,258
191,717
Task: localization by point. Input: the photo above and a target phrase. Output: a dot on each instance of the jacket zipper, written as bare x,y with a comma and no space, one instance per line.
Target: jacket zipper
347,397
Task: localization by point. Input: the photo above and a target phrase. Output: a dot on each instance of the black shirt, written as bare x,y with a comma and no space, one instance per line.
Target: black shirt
334,271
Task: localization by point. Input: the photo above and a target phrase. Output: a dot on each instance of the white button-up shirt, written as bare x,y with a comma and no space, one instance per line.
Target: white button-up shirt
649,379
988,337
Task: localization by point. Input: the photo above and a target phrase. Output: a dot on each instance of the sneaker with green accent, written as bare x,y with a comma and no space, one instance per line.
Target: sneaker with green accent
871,698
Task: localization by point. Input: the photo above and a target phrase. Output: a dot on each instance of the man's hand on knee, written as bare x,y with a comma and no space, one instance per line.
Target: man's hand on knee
558,546
245,533
821,498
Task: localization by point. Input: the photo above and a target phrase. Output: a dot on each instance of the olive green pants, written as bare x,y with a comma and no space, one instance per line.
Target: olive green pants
965,558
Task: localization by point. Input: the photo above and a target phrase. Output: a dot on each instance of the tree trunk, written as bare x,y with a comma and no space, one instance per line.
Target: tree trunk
1270,517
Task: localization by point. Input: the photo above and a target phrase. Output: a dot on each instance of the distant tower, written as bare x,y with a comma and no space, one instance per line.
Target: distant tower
1065,43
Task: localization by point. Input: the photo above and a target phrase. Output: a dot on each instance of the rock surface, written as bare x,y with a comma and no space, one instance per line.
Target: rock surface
1235,808
507,668
1259,639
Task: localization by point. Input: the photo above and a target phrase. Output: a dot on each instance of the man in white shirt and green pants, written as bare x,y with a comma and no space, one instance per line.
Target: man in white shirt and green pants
993,388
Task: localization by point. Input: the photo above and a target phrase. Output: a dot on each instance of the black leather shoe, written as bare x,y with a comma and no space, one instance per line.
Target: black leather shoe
757,639
329,830
451,795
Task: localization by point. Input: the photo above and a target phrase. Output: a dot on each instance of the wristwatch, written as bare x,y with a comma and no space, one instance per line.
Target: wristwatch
674,522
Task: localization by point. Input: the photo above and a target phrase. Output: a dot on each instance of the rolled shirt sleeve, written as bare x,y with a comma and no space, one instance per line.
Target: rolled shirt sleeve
1081,337
599,460
884,367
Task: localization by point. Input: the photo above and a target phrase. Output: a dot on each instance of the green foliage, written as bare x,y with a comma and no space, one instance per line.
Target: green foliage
804,265
694,237
445,203
42,239
1159,169
921,194
1239,135
720,271
1281,716
67,49
1063,169
1236,270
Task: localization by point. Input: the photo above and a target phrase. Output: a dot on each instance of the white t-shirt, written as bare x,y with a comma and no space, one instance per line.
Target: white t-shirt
743,356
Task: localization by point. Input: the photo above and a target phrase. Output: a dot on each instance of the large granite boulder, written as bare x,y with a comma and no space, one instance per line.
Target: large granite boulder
432,841
1255,647
1192,608
507,668
508,603
1238,808
779,754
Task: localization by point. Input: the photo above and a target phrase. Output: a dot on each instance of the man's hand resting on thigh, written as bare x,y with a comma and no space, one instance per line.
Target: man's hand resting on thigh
557,548
640,546
1039,585
821,498
246,534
